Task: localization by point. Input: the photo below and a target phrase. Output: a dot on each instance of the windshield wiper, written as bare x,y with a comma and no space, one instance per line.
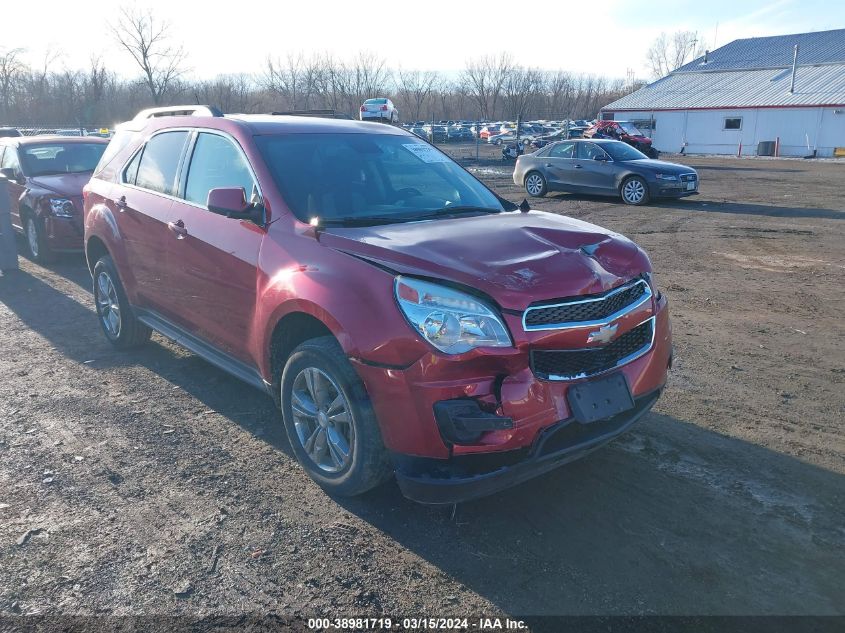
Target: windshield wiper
458,209
367,220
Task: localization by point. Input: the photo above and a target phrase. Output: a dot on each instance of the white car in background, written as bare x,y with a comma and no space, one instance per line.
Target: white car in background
379,109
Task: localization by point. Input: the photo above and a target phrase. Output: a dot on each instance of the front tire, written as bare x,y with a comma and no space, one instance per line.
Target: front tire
117,319
36,240
329,420
535,184
634,191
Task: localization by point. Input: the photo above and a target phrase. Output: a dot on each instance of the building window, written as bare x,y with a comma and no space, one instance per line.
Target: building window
733,123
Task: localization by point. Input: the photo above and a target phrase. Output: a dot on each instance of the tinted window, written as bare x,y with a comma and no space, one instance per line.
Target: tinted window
131,171
61,158
159,162
622,151
10,159
376,101
365,175
588,151
563,150
216,162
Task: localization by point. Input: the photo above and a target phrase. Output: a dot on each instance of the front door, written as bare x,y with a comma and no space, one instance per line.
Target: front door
594,174
215,260
10,160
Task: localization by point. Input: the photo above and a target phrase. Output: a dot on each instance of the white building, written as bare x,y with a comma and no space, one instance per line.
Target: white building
747,92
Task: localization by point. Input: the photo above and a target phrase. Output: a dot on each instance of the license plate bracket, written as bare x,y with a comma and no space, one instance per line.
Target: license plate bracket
599,399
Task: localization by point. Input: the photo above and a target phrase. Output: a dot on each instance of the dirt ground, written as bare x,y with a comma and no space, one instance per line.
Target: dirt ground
153,483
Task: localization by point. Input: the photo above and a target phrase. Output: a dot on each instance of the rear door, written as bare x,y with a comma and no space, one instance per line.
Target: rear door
143,207
592,174
559,163
215,262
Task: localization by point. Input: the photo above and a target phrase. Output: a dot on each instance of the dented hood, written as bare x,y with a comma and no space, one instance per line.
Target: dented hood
515,258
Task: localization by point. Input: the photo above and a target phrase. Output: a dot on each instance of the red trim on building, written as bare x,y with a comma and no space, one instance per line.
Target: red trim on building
759,107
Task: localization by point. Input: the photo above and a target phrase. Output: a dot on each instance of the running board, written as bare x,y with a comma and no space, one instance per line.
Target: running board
204,350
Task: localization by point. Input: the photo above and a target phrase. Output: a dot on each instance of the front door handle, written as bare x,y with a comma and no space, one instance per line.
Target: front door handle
178,228
578,167
549,165
120,203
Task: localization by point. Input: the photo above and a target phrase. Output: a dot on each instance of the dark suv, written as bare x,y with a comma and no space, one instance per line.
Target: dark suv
404,317
46,175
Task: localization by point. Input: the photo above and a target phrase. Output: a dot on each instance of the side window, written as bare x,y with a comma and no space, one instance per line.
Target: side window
130,174
159,162
10,159
588,151
563,150
216,162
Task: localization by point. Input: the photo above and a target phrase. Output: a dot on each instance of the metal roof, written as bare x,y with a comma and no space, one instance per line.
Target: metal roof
824,47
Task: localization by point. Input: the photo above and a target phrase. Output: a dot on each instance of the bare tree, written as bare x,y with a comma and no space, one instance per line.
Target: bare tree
413,88
11,70
669,53
520,87
148,41
483,79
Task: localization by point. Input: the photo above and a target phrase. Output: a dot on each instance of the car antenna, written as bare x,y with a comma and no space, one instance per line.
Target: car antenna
524,207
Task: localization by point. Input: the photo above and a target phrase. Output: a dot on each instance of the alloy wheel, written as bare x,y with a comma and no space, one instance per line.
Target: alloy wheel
534,184
107,305
323,420
32,237
633,191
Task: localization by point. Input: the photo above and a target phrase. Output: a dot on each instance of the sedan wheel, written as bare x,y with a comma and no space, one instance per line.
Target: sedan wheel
634,191
535,185
108,306
322,419
32,238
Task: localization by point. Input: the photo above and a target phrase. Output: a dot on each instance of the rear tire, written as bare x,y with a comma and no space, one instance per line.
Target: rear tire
333,429
634,191
535,184
115,314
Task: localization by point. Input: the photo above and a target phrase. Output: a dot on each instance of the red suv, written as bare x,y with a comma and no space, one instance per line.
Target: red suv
404,317
46,175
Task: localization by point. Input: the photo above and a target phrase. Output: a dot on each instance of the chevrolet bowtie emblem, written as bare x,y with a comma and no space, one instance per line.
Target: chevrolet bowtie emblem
604,334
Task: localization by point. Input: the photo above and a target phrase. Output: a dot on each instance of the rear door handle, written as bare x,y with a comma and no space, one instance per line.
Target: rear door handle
578,167
178,228
120,203
549,165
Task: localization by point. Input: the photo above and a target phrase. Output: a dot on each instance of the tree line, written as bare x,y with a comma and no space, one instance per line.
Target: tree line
489,87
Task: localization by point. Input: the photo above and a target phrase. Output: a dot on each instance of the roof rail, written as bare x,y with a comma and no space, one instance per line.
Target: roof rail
179,110
326,114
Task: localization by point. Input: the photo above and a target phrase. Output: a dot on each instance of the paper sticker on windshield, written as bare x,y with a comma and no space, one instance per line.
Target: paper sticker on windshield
426,153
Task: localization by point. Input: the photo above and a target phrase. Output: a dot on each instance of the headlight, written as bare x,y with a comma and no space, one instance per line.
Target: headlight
61,207
453,321
666,177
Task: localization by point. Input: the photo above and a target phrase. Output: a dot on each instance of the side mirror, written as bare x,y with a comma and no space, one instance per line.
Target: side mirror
231,202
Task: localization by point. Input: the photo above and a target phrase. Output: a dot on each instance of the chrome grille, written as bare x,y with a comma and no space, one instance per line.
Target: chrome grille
582,312
581,363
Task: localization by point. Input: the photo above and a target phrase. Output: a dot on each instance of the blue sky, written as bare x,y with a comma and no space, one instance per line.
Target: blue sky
432,34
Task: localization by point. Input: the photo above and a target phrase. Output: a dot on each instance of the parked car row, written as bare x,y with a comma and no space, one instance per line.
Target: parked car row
406,319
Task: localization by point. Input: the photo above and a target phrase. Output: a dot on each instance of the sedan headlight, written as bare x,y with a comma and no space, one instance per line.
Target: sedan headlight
61,207
452,321
665,177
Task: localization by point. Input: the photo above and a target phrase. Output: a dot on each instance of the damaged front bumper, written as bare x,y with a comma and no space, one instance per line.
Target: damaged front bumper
467,477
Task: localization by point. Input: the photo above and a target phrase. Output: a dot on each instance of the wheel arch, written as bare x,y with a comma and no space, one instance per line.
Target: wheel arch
290,331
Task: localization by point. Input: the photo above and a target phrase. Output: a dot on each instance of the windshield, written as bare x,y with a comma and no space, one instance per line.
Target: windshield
61,158
378,176
620,151
630,129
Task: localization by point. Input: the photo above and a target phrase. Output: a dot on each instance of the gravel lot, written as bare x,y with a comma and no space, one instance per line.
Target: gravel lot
152,483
